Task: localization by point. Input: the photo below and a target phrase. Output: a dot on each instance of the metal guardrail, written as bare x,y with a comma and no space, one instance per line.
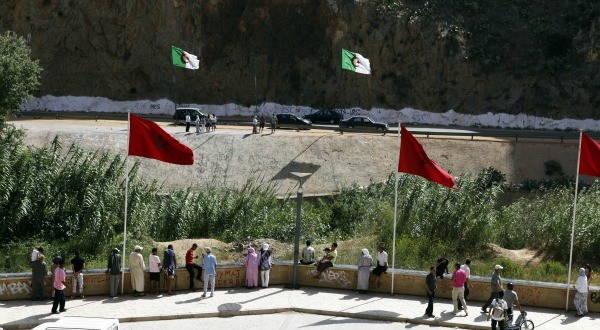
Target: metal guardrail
417,130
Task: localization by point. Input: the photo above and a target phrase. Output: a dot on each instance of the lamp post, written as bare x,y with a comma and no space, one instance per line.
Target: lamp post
300,191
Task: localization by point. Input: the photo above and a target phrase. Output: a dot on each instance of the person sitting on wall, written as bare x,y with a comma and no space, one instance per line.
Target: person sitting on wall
327,260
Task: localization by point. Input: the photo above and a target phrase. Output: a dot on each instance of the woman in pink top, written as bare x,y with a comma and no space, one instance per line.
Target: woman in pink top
251,265
60,285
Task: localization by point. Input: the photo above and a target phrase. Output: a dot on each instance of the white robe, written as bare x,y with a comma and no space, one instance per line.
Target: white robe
364,270
136,270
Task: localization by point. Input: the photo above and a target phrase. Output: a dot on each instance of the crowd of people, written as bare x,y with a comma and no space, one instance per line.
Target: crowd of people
203,123
258,124
498,308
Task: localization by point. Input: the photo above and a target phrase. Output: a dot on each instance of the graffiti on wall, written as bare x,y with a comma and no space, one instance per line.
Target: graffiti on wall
595,297
15,288
333,277
230,277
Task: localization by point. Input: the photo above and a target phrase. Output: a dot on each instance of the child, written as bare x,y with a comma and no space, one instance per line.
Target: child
154,262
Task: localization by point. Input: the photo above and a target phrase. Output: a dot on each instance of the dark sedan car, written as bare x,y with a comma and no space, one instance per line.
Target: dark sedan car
288,120
363,123
325,116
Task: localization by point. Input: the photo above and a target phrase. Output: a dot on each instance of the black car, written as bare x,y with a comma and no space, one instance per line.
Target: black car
288,120
363,123
325,116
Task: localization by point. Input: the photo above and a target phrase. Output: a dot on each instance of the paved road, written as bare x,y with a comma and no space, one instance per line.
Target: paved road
274,321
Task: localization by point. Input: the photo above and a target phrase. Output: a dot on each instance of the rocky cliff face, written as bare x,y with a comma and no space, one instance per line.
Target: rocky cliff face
473,56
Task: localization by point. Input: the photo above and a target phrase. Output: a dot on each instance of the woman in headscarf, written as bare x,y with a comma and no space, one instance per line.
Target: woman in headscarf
265,262
581,288
251,265
364,269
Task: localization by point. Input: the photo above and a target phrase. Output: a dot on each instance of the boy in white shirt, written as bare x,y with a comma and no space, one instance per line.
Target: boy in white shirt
154,262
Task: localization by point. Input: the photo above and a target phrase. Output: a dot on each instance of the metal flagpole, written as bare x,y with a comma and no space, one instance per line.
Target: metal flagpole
395,213
573,225
126,193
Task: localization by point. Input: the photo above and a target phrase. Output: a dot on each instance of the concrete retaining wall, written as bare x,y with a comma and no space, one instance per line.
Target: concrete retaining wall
536,294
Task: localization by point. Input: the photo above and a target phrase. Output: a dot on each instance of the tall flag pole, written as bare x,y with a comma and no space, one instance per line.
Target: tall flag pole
395,212
588,163
125,212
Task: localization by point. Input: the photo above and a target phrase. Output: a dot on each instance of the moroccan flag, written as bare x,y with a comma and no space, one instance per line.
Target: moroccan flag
355,62
589,161
414,160
184,59
146,139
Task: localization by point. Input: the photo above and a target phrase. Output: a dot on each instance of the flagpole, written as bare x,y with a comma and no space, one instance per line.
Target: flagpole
573,225
395,214
126,193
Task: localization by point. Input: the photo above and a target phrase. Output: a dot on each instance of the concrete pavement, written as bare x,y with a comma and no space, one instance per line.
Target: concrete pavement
241,301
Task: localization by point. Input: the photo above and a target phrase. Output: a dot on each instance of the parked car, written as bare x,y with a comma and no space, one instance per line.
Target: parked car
179,115
363,123
288,120
325,116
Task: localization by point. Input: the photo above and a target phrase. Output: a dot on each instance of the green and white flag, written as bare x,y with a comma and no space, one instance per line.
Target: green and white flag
184,59
355,62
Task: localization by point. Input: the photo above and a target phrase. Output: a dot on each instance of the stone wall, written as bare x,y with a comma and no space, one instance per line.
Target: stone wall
536,294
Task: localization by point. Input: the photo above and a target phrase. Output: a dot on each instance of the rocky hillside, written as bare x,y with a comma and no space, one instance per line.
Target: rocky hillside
473,56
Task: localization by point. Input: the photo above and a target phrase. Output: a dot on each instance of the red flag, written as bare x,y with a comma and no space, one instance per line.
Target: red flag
146,139
589,161
414,160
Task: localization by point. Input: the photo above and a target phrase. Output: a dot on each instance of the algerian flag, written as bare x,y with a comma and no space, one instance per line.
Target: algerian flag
355,62
184,59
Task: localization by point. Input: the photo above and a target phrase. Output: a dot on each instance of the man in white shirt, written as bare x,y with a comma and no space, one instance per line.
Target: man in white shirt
467,269
154,261
498,312
188,121
382,265
308,254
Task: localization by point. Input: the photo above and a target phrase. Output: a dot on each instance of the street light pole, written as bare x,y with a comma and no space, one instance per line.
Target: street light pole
300,192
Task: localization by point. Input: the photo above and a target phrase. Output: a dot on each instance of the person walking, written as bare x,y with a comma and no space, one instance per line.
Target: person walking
261,123
55,261
190,266
136,270
59,284
496,285
308,254
512,299
78,265
581,293
251,264
114,270
430,286
467,268
188,121
273,124
168,264
209,264
498,312
365,262
459,277
265,263
38,274
382,265
154,265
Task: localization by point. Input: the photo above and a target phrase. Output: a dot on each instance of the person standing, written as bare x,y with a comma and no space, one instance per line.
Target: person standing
38,274
114,269
496,285
59,284
262,123
512,299
169,262
188,121
581,293
588,272
251,264
430,286
364,269
136,271
273,124
78,265
154,265
55,261
308,254
254,125
441,266
498,311
467,268
190,265
209,264
459,277
265,262
198,129
382,265
214,122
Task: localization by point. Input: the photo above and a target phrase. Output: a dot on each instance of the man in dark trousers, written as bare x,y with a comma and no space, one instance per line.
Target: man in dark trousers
430,286
441,266
190,265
